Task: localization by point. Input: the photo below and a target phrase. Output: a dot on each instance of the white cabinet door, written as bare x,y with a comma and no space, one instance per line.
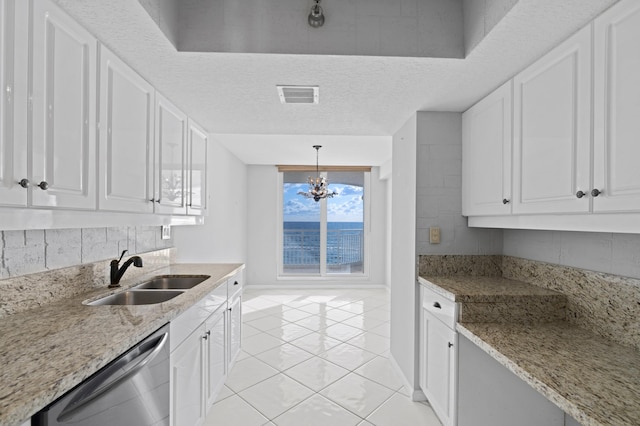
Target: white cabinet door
438,367
126,137
187,381
552,130
486,170
13,90
617,109
197,170
64,110
171,151
215,357
235,328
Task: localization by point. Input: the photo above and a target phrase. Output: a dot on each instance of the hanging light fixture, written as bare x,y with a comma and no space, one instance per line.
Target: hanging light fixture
318,185
316,16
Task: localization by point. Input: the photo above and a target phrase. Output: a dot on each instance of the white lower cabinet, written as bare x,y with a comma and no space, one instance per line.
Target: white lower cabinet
438,354
235,327
205,340
215,354
187,381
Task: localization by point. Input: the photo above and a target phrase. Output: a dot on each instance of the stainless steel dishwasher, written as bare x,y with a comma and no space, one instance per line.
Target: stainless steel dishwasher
133,390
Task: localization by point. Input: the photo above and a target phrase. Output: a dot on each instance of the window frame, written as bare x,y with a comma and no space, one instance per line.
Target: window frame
323,275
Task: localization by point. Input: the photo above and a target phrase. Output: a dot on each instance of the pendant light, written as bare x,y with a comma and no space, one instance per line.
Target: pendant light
318,185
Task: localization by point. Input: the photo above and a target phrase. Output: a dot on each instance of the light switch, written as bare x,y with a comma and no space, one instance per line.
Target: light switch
434,235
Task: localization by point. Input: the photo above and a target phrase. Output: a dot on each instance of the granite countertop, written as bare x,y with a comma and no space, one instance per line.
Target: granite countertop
480,289
593,379
47,351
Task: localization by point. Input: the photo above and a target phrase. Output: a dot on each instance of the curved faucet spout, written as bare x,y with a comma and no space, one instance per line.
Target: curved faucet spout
117,271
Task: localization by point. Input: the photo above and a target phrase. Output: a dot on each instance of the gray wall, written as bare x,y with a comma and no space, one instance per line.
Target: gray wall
439,190
480,16
26,252
617,254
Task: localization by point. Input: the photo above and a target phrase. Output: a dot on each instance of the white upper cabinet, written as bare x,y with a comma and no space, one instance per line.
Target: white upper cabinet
170,158
126,137
197,170
63,110
13,95
616,172
486,169
552,130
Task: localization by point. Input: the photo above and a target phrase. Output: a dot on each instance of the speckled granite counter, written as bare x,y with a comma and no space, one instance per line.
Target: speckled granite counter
496,299
593,379
45,352
588,376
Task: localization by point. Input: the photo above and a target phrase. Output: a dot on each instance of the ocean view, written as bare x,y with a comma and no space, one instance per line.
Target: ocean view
301,243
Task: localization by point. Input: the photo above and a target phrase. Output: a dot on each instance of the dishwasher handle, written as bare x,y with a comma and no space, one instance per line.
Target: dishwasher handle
152,352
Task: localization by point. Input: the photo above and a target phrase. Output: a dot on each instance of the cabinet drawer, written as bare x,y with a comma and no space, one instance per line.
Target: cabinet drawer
439,306
189,320
236,283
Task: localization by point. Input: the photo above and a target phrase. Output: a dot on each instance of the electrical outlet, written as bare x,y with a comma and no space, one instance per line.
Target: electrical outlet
166,232
434,235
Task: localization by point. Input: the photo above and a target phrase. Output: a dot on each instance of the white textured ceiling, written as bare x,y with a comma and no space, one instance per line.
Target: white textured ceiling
235,93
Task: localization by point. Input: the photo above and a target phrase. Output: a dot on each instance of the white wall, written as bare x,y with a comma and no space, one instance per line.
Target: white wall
263,230
223,237
403,251
439,190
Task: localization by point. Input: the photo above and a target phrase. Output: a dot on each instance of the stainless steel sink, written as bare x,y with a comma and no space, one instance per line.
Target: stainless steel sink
133,297
179,282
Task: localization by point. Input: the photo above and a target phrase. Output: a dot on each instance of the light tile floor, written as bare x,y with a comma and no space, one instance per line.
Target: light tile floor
314,358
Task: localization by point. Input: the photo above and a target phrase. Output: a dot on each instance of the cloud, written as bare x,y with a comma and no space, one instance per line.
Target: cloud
295,207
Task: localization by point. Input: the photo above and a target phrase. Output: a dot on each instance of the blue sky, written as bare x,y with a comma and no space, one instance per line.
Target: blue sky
347,206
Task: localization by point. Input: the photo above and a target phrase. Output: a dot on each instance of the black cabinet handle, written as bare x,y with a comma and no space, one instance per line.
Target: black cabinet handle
450,344
505,201
235,283
437,305
595,192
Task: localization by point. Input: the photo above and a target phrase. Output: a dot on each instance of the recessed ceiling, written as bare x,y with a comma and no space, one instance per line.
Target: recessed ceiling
233,93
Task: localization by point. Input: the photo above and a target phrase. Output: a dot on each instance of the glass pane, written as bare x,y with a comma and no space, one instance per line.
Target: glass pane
301,227
345,223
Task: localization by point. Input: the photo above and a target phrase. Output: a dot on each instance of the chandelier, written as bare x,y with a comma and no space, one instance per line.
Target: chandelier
318,185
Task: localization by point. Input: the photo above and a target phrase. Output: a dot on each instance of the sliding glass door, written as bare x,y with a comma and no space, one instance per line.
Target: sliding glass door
325,237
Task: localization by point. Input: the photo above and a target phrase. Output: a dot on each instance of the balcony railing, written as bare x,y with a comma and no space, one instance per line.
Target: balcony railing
302,247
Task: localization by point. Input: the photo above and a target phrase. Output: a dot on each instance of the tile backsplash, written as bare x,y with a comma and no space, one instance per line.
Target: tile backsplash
31,251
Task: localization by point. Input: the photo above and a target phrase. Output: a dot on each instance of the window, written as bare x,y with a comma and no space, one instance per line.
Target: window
327,237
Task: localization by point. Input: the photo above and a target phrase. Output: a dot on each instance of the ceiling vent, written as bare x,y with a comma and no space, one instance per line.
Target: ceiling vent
298,94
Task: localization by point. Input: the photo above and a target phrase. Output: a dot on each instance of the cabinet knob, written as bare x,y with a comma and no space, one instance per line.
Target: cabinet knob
595,192
43,185
437,305
24,183
580,194
235,283
505,201
450,344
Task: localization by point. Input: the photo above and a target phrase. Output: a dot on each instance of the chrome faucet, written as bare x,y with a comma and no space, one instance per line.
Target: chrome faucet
117,272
